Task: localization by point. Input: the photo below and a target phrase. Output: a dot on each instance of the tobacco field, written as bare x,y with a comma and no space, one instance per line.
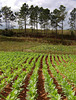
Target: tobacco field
37,76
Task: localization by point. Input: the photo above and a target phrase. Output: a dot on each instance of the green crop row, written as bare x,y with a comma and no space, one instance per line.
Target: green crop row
13,64
32,93
68,69
50,88
67,89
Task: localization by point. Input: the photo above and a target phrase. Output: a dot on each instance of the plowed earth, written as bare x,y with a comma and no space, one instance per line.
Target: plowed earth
42,95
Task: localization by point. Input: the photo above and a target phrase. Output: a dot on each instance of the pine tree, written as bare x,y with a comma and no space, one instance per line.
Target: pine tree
6,12
24,12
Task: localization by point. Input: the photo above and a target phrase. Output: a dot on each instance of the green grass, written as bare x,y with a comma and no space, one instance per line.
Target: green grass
60,49
16,46
34,45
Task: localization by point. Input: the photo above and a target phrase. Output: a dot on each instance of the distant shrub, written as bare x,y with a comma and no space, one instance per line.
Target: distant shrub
66,42
8,33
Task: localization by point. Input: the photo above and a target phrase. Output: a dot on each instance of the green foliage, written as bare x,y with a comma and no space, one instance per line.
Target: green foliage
62,12
32,93
49,86
0,18
34,14
44,18
67,88
57,17
12,65
24,12
72,19
7,15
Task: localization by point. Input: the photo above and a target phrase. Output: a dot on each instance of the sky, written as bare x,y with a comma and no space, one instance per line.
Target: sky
51,4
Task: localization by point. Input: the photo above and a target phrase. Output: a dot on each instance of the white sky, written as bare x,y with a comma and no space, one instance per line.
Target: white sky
51,4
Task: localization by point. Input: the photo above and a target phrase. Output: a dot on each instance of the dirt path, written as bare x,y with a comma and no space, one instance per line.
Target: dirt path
59,59
26,60
31,60
42,95
64,60
56,60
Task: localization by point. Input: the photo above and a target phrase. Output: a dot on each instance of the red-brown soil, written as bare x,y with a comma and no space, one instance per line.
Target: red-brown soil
63,60
74,89
31,60
26,60
1,72
56,60
66,58
42,95
59,59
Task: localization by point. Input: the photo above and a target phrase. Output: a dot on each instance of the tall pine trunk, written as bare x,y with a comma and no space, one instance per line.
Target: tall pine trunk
37,26
62,29
56,30
6,24
25,25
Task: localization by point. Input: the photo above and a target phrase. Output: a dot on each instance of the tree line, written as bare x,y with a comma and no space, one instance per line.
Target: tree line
35,16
